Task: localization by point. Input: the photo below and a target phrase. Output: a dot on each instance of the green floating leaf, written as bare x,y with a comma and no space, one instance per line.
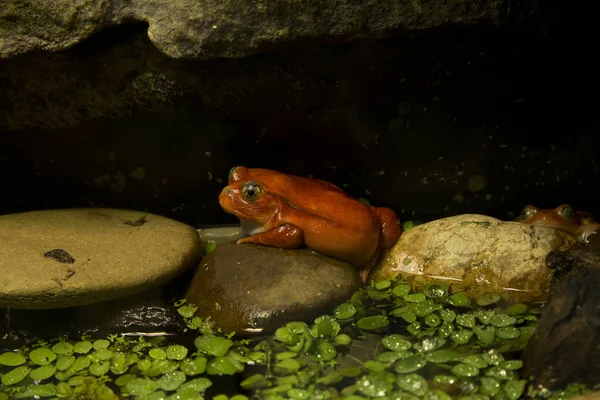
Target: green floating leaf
508,332
485,335
157,354
488,299
475,360
415,297
42,356
324,352
429,344
435,290
423,308
43,372
141,387
413,383
485,316
499,320
197,385
326,326
15,375
514,389
512,365
342,339
433,320
82,347
401,290
396,342
213,345
375,366
447,315
298,394
391,356
254,382
516,309
12,359
187,311
409,364
382,285
101,344
344,311
209,246
124,379
171,380
286,336
373,322
62,348
460,300
64,362
465,370
466,320
490,386
221,366
462,336
101,355
443,356
376,384
99,368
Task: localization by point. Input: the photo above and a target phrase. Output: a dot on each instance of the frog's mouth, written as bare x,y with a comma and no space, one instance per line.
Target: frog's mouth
251,227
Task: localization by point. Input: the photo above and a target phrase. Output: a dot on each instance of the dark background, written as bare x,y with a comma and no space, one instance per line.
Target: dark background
448,121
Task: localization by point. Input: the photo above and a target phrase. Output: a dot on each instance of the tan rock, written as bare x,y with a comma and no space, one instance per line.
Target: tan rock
477,254
115,253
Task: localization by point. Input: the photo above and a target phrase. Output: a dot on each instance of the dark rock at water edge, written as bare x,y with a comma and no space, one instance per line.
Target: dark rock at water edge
144,314
254,289
566,345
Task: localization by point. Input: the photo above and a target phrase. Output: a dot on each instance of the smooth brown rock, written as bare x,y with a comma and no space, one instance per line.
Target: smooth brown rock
251,289
477,254
92,255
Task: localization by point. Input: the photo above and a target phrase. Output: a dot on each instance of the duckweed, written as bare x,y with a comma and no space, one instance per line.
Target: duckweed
385,341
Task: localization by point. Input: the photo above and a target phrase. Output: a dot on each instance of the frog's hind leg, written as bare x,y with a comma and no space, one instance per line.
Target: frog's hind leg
364,271
285,236
390,226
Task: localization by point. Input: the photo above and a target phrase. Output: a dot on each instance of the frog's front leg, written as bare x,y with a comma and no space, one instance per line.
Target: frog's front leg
285,236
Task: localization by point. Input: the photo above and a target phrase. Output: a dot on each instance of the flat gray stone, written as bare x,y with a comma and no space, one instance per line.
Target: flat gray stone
250,289
96,254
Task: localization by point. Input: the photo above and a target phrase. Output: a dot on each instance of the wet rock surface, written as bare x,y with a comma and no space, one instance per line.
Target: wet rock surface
477,254
73,257
142,314
565,347
209,28
253,289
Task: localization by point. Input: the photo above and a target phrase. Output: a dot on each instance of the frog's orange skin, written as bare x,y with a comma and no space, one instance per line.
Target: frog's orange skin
289,211
577,223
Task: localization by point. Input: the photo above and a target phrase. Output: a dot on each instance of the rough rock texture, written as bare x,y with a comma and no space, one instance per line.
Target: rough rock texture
253,289
477,254
565,347
71,257
212,28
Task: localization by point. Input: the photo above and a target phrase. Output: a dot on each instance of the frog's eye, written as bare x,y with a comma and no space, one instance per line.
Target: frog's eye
567,212
528,212
251,191
230,174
